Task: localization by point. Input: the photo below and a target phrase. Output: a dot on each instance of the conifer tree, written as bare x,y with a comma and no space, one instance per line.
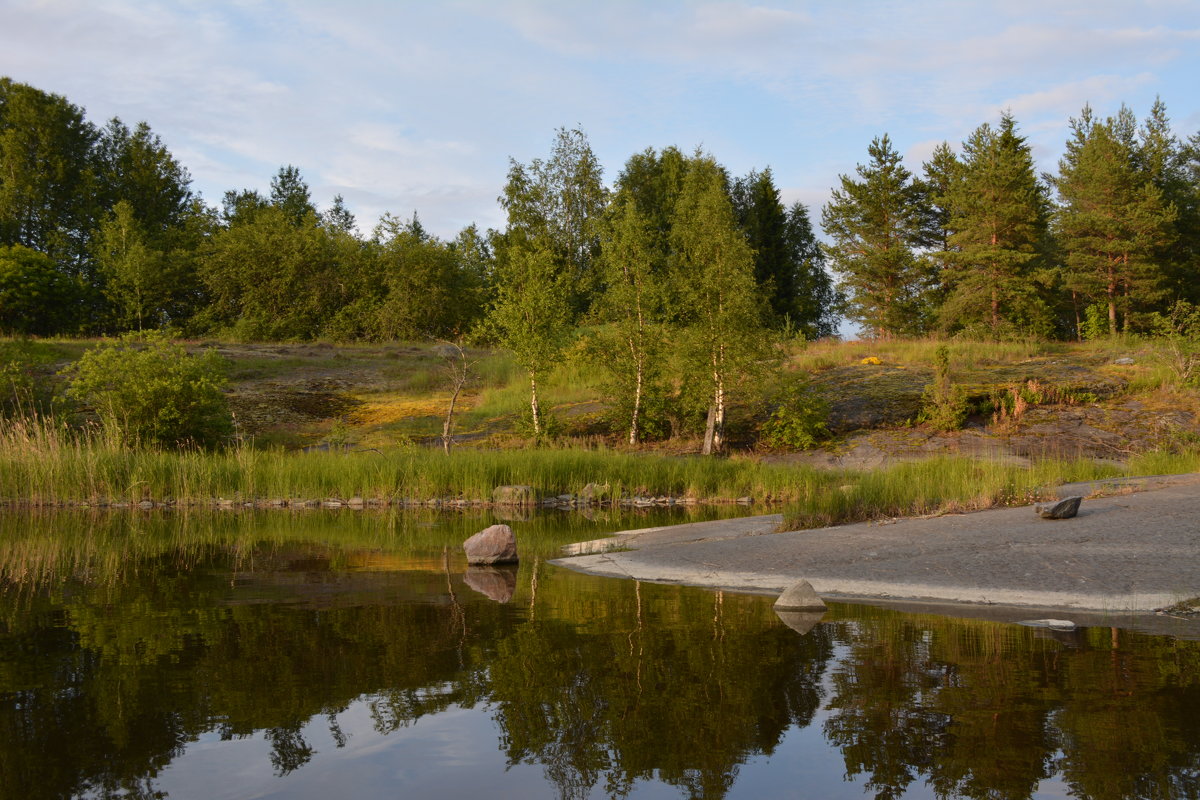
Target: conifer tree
998,221
788,262
1163,160
1111,221
876,222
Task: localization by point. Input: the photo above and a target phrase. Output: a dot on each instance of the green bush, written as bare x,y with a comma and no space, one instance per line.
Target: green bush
800,419
944,405
146,389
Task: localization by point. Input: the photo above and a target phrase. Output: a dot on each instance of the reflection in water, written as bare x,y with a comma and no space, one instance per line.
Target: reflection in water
130,646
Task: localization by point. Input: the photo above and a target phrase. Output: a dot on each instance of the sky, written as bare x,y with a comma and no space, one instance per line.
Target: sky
403,106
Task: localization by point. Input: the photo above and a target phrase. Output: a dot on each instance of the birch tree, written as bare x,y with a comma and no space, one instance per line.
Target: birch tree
632,306
722,311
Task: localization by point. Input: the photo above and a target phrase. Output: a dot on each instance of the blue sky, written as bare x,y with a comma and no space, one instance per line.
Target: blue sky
403,106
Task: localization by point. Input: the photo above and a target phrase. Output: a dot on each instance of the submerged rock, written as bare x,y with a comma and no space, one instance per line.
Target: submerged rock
800,596
494,545
495,583
1063,509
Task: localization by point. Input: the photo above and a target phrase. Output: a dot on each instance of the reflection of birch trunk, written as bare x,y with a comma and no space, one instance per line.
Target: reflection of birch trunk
457,615
533,587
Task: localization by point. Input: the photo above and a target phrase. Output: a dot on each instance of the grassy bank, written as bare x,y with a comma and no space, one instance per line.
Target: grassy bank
41,464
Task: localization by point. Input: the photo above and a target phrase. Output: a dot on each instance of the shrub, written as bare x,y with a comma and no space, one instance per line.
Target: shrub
146,389
944,404
800,419
1179,334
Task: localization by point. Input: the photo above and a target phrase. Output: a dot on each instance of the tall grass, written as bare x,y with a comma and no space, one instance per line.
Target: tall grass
42,463
939,485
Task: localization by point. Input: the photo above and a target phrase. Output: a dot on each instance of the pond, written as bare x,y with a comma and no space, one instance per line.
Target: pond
318,654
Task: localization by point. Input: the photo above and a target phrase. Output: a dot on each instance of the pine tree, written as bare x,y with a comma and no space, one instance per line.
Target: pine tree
999,215
876,223
1111,221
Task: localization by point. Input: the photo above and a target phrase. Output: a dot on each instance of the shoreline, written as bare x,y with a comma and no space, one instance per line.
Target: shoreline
1132,551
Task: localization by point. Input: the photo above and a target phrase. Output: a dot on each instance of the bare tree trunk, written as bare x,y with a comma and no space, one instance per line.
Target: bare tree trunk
719,418
459,372
446,438
709,430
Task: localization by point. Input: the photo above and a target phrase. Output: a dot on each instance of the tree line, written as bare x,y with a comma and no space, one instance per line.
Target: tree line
981,244
682,274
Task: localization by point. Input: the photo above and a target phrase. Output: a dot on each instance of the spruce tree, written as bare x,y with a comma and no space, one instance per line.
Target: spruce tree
876,222
1162,158
998,222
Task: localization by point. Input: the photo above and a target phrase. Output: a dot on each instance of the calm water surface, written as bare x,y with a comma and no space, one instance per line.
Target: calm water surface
353,655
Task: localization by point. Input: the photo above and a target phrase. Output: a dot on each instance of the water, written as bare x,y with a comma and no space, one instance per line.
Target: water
347,655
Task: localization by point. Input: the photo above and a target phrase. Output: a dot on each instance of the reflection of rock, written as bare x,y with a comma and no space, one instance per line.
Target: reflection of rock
1063,509
495,583
514,513
799,597
494,545
800,621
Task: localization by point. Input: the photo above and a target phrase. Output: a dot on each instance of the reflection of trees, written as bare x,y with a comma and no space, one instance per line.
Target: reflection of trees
675,686
601,681
986,710
604,683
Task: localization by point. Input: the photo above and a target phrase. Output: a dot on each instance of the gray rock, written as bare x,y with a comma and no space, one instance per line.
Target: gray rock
494,545
514,496
800,621
1052,624
1124,362
494,583
800,596
1063,509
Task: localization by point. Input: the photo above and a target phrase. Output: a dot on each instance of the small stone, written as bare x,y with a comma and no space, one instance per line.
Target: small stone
1063,509
494,545
355,502
1124,362
745,501
146,504
800,596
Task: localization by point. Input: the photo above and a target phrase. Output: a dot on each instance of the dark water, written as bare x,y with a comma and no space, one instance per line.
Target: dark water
348,655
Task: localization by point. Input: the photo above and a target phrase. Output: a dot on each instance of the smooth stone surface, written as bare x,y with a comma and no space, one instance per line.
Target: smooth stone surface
1063,509
800,596
494,545
494,583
